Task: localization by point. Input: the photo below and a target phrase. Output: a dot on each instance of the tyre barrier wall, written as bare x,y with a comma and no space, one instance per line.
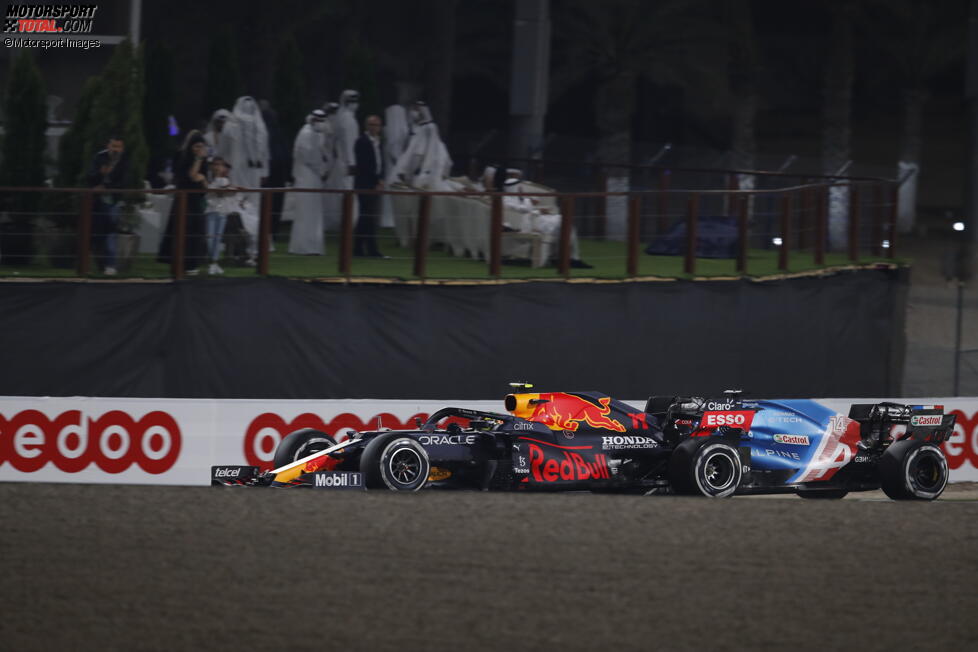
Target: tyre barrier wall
175,441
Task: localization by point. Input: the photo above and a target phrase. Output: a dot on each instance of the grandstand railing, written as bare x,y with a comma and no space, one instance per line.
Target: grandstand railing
791,221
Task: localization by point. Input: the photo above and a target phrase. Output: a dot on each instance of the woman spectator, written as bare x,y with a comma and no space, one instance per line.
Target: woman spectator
189,174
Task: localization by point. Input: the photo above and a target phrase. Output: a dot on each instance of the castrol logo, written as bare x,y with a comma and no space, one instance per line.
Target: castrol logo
72,441
926,420
737,419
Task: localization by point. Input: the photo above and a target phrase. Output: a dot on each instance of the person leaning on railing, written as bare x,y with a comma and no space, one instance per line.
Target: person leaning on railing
189,173
109,170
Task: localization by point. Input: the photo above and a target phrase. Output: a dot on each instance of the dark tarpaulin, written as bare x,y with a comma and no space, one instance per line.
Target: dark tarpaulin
840,335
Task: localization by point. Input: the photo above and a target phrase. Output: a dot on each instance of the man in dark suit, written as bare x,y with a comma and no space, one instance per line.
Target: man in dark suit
110,169
369,175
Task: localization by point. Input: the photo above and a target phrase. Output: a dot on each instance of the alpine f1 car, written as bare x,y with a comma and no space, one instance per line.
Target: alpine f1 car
590,441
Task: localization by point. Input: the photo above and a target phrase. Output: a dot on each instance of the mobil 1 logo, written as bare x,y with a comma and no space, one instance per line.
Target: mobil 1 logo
337,480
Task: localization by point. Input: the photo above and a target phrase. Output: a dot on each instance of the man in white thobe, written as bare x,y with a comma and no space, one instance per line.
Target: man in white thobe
247,140
397,133
216,143
346,131
529,217
310,166
425,163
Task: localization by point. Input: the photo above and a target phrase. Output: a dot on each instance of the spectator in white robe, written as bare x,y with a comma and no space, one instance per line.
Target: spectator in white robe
487,181
310,167
397,133
217,145
425,163
247,139
346,130
526,214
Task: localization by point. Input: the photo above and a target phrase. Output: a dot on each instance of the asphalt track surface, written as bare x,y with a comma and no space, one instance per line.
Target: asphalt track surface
85,567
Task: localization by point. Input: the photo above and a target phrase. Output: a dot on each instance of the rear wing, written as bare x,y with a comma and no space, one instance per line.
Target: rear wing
927,422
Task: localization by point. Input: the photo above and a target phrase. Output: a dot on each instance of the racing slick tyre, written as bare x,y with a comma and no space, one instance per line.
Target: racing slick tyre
396,463
913,470
823,494
705,466
299,444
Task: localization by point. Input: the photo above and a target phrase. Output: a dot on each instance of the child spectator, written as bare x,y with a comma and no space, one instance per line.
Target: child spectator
219,204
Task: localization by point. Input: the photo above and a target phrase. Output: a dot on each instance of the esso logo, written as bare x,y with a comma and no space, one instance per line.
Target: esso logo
113,442
740,419
724,420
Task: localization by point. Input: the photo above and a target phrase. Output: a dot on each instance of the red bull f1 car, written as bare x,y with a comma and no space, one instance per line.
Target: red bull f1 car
590,441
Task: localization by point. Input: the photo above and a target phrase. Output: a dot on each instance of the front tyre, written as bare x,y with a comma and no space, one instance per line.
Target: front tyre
301,443
395,463
705,467
913,470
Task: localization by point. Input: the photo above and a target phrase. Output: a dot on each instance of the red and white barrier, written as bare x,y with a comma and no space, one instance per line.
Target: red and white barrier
175,441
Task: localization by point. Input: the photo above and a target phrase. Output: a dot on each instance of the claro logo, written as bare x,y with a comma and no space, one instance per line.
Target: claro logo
71,441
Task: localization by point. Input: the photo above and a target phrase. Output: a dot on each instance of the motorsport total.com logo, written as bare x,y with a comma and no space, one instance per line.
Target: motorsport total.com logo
47,21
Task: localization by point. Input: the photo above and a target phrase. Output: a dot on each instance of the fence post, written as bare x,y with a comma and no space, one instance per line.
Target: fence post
891,230
600,226
692,208
346,235
820,219
634,231
742,235
854,223
264,233
804,217
496,236
878,219
179,237
785,232
85,233
566,226
421,240
663,203
730,197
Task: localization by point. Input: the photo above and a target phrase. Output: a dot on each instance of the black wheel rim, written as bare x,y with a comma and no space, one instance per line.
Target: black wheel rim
927,472
718,471
405,465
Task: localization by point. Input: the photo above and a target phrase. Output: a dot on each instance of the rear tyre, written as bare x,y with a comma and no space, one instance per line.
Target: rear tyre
395,463
823,494
913,470
299,444
705,467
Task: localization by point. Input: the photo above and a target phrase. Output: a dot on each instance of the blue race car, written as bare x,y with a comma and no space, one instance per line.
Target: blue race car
731,445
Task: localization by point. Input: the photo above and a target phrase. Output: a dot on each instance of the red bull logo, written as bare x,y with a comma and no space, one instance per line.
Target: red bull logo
570,467
321,463
560,411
